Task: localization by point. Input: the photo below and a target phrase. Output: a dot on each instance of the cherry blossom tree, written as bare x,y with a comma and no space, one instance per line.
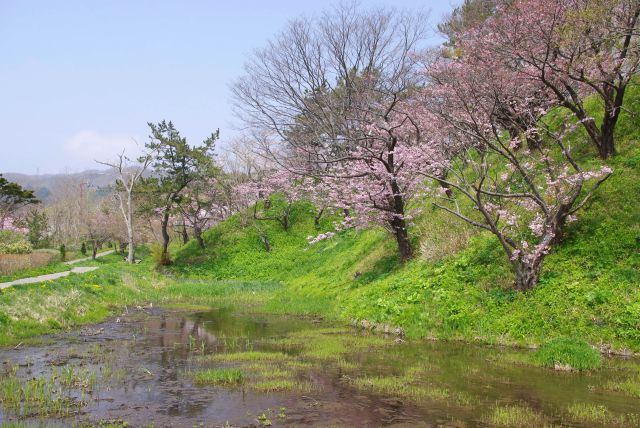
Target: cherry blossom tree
204,204
525,197
574,48
333,98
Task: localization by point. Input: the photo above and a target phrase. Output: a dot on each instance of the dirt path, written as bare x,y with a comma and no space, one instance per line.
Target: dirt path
48,277
73,262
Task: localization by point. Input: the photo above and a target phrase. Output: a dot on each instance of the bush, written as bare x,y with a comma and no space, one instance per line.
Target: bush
158,257
566,353
12,242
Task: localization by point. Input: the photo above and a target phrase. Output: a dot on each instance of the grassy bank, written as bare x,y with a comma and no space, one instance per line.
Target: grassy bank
458,287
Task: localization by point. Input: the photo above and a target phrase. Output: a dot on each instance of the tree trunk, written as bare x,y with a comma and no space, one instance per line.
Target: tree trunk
198,234
399,226
185,235
606,146
285,218
131,253
94,250
165,238
527,275
318,216
265,241
264,238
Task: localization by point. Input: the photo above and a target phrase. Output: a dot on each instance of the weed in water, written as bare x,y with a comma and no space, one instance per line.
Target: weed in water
515,416
223,376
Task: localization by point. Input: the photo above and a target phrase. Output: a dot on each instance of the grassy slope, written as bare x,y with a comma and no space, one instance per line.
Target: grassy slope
590,287
457,288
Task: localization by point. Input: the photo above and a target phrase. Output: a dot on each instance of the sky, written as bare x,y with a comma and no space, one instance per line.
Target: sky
80,80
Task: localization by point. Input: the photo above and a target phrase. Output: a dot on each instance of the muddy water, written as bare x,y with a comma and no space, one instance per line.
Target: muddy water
137,369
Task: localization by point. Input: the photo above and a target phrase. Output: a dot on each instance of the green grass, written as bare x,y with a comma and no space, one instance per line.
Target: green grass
568,354
600,414
457,288
514,416
224,376
246,356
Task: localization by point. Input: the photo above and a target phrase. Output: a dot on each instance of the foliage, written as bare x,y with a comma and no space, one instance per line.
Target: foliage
12,198
571,354
160,257
38,224
588,287
12,242
176,165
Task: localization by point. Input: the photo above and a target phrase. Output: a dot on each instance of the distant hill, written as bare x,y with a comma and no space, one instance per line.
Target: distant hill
45,184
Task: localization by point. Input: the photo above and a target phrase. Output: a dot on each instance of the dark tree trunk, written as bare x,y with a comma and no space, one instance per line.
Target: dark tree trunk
185,235
285,220
165,238
399,227
198,234
318,216
265,241
94,250
444,185
606,146
399,224
527,275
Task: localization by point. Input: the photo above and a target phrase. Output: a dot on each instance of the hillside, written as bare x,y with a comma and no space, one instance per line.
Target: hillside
46,184
459,286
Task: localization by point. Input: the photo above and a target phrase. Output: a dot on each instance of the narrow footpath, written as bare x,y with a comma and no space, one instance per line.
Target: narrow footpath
52,276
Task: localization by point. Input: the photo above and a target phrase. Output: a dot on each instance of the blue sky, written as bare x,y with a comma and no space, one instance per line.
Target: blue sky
79,80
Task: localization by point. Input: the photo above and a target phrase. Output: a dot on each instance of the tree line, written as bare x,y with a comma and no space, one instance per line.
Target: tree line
355,112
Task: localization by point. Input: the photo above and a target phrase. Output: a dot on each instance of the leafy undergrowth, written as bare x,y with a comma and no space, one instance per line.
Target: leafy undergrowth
589,289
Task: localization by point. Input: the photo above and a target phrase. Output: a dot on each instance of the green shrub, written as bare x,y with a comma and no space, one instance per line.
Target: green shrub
10,237
568,353
12,242
158,256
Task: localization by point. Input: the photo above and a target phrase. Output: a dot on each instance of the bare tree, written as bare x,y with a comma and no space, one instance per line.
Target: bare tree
129,173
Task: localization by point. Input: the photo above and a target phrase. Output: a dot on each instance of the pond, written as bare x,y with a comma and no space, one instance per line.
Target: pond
223,368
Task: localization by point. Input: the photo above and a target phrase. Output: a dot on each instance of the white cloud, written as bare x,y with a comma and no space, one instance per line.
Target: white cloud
88,146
